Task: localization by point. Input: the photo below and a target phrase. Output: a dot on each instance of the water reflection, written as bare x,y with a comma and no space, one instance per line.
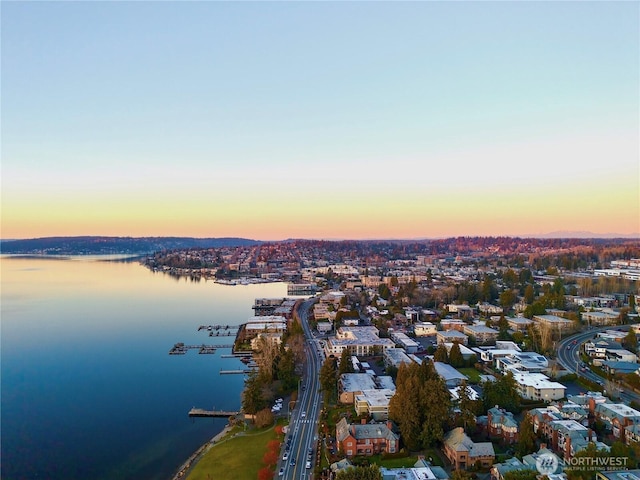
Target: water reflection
87,381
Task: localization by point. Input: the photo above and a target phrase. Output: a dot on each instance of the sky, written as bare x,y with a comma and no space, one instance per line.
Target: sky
311,119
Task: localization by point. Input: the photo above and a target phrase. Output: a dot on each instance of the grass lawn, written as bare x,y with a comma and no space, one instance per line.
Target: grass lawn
241,455
406,462
472,373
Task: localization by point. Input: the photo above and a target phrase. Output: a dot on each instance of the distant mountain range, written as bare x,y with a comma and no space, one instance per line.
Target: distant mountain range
582,234
114,245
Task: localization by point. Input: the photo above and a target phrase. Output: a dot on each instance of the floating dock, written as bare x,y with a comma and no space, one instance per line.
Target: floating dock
230,372
199,412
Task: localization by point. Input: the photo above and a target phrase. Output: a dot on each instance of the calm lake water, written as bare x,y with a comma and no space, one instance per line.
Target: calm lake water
89,390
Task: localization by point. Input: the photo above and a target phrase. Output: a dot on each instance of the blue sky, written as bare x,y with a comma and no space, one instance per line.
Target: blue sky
288,116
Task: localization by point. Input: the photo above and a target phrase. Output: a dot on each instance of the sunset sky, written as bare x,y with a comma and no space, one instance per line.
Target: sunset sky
275,120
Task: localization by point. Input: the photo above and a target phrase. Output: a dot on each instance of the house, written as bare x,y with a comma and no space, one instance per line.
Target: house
461,310
366,438
424,329
450,336
502,425
510,465
531,362
374,403
421,470
620,355
452,324
618,474
614,367
451,376
467,353
597,348
568,437
408,344
554,322
549,458
599,318
488,309
394,357
463,452
351,384
481,333
519,324
491,354
617,416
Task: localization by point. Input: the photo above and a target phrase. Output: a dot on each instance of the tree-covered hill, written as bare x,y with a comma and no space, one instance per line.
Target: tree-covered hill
91,245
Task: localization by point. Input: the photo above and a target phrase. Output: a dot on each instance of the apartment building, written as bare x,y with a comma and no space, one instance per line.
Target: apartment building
463,452
366,438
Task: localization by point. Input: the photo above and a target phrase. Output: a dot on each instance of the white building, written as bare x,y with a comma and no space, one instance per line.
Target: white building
408,344
537,386
359,341
424,329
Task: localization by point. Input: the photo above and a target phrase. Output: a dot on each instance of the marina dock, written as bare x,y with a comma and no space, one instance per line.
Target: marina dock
180,348
230,372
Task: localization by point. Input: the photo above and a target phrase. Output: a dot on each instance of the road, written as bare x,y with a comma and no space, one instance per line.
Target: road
569,358
303,425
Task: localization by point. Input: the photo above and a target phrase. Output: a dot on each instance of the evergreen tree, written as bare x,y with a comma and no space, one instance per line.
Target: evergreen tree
631,341
502,392
252,398
468,408
345,363
329,380
526,437
286,370
441,354
456,359
404,407
435,403
529,294
503,328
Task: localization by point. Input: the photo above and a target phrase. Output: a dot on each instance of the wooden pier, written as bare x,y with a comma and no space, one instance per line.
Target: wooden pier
230,372
199,412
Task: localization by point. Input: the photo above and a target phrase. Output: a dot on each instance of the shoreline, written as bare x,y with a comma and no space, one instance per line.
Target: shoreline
193,459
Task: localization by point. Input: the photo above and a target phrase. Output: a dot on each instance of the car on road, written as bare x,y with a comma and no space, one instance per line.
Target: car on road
281,472
303,414
293,462
308,464
285,456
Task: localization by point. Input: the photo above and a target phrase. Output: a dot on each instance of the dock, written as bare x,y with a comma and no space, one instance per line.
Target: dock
211,328
230,372
180,348
199,412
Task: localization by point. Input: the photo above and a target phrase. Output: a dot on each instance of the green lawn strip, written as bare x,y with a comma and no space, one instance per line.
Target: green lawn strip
241,454
472,373
404,462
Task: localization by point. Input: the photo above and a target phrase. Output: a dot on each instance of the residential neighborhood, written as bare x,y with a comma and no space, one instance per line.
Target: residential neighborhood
471,360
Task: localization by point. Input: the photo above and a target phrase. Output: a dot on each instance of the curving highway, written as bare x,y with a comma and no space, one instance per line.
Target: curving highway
569,357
